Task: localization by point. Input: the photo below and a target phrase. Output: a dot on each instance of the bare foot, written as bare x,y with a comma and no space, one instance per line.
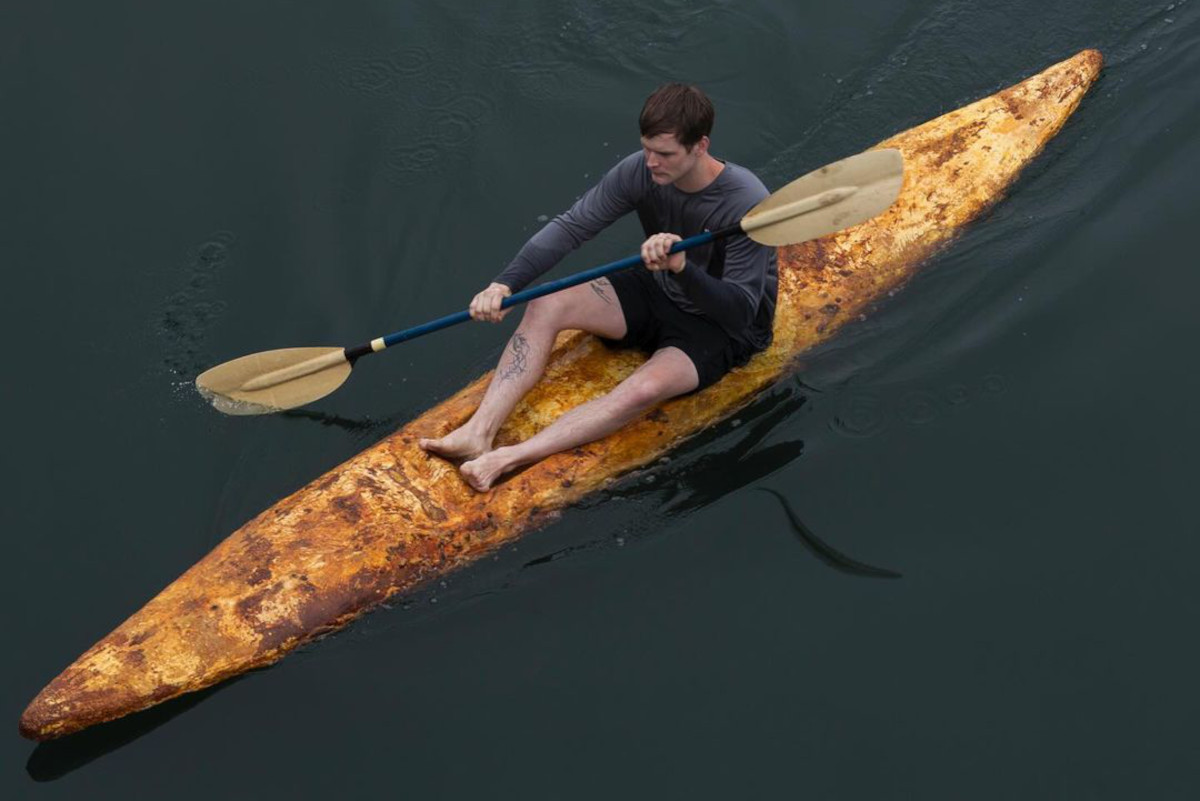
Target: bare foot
461,443
483,471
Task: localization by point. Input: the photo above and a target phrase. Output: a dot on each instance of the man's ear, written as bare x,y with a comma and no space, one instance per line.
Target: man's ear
701,147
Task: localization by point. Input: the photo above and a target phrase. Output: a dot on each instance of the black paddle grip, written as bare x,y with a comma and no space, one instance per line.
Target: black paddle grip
352,354
729,230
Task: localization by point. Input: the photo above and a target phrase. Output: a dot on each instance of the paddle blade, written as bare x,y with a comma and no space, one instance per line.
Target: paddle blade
837,196
295,376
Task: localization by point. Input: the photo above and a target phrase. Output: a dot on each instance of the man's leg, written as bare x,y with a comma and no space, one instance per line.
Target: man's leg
669,372
591,307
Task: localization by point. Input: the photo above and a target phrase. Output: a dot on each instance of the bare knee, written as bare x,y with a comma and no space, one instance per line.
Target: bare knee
545,313
668,374
643,392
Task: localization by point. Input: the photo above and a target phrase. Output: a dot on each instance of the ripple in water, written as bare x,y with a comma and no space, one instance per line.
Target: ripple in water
433,118
374,75
918,407
190,312
435,140
861,415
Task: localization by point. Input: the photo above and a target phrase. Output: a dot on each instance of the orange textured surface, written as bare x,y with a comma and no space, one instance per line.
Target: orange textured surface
392,518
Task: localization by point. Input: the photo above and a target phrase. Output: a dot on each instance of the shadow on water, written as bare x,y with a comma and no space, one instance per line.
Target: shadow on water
699,474
715,475
826,552
364,425
55,759
697,482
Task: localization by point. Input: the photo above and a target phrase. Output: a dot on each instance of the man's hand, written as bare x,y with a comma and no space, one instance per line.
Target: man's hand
654,253
486,305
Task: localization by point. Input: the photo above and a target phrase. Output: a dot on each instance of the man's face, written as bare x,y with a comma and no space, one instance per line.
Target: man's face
667,160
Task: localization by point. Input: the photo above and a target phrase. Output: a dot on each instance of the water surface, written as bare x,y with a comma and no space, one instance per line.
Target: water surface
1014,433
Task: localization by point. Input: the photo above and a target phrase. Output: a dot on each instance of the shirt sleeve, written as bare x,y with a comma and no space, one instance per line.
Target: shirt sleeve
730,301
617,193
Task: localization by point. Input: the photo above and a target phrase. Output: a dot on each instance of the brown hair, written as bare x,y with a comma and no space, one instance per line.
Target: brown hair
680,109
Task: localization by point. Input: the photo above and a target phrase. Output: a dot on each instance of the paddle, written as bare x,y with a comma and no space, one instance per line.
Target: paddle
836,196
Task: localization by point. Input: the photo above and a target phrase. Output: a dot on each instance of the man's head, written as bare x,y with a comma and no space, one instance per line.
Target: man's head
675,123
679,109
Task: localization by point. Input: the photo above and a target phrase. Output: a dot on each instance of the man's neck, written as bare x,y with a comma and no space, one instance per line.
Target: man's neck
699,177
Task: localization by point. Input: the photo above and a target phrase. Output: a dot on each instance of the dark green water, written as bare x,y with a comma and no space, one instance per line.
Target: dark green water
1015,432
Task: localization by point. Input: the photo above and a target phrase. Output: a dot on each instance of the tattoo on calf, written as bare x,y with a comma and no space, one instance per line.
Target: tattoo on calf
598,287
519,362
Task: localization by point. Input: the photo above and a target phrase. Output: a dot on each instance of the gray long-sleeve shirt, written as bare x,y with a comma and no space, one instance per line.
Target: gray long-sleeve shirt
732,282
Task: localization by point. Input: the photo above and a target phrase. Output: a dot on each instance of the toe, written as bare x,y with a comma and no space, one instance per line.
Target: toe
475,476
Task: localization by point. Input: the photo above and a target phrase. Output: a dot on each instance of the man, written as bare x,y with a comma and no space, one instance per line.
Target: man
699,313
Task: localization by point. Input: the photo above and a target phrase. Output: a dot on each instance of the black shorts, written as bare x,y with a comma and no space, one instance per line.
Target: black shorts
653,321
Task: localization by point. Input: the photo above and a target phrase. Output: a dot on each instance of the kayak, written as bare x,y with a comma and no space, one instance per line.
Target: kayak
393,518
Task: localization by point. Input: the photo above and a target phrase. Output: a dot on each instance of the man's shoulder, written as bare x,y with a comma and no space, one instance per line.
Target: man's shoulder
629,175
744,182
631,166
740,191
635,159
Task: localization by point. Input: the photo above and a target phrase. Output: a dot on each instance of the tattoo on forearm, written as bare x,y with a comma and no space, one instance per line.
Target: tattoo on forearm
519,362
598,287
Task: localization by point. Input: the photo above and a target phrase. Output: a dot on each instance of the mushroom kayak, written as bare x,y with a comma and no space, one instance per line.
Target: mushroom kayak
393,518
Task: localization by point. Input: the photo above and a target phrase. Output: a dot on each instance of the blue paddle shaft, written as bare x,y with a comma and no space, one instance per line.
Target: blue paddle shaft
540,290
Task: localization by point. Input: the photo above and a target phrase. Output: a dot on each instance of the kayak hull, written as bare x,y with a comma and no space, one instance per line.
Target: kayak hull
392,518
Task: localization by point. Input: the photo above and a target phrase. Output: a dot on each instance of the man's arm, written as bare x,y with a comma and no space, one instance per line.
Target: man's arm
730,301
615,195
